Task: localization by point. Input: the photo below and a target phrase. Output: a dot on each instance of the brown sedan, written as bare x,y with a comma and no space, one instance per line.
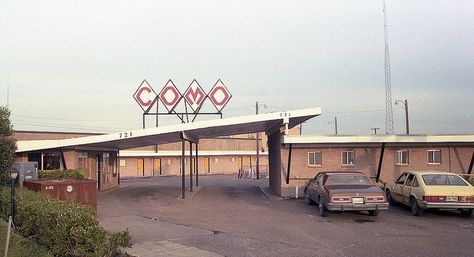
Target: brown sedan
345,191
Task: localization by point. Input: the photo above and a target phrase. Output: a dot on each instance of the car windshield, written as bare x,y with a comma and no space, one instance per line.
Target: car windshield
349,179
443,180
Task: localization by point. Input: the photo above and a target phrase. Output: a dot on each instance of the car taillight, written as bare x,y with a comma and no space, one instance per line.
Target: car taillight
341,199
434,198
466,199
375,199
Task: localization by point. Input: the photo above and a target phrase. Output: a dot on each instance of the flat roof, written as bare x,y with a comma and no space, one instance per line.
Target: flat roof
348,139
166,153
128,139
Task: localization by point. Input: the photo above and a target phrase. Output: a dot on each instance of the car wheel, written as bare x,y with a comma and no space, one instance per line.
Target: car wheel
415,208
323,211
466,212
374,213
389,197
307,198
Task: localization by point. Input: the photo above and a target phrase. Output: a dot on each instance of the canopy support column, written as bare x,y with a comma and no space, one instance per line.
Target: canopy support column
196,165
63,160
183,184
190,166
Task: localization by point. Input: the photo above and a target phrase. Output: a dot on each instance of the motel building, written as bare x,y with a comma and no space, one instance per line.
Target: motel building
228,146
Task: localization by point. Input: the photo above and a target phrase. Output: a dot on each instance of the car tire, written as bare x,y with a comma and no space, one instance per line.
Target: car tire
466,212
307,198
389,197
415,208
323,210
374,213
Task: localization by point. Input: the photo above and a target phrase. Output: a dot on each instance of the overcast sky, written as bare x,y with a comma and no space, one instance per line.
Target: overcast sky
74,65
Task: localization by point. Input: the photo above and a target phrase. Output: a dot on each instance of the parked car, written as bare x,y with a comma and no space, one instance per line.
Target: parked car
423,190
345,191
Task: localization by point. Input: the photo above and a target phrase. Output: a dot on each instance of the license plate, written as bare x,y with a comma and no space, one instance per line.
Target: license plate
451,198
358,200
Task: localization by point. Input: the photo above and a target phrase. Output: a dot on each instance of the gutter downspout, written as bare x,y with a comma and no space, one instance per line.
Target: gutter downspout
379,168
289,165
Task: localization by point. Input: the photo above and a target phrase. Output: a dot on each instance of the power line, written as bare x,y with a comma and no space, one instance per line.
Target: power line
62,119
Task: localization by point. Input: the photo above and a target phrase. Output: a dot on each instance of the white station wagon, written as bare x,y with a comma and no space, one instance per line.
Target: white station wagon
432,190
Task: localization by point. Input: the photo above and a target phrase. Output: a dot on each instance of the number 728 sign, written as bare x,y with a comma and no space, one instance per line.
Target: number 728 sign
170,96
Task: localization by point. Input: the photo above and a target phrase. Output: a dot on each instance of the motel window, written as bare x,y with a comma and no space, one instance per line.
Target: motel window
401,157
434,156
347,158
123,163
82,161
315,159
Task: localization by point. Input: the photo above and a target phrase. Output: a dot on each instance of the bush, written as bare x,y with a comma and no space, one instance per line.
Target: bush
65,229
19,246
61,174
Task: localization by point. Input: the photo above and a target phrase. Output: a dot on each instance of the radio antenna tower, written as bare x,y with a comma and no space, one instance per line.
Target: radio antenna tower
388,81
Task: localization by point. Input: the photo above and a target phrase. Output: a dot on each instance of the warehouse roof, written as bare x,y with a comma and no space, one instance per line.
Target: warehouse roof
269,122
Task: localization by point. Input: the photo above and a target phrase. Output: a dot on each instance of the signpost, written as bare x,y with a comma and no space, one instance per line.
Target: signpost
171,97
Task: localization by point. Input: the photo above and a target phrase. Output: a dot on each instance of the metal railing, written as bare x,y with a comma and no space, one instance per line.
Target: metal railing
250,172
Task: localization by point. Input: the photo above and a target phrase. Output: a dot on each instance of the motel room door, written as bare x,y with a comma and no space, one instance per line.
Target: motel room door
207,166
140,167
157,167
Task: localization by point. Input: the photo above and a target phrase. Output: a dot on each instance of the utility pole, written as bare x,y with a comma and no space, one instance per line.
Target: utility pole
406,118
375,130
8,92
405,106
335,125
258,146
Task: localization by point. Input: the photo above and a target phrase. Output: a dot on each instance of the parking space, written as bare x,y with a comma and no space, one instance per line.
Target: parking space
230,217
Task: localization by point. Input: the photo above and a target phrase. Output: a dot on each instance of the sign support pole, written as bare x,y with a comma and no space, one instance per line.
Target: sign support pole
196,163
190,166
183,183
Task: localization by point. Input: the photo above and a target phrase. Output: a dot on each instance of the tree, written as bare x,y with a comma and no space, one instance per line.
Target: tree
7,145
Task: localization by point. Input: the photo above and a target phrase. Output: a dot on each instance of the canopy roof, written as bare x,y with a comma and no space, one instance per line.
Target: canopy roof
269,123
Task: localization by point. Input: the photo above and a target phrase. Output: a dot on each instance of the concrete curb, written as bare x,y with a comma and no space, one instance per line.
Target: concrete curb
269,194
190,195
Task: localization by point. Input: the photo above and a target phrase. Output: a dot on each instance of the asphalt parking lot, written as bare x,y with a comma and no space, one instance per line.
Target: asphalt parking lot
230,217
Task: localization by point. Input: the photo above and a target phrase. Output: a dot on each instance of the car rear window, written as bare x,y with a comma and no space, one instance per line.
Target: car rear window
348,179
443,180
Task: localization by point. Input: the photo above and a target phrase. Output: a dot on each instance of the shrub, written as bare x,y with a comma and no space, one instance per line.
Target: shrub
64,228
19,246
61,174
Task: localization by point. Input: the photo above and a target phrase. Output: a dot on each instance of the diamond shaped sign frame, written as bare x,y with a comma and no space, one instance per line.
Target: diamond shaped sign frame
170,104
219,100
147,103
195,96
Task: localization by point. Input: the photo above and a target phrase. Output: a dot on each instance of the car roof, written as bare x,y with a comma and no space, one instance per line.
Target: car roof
424,172
343,172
